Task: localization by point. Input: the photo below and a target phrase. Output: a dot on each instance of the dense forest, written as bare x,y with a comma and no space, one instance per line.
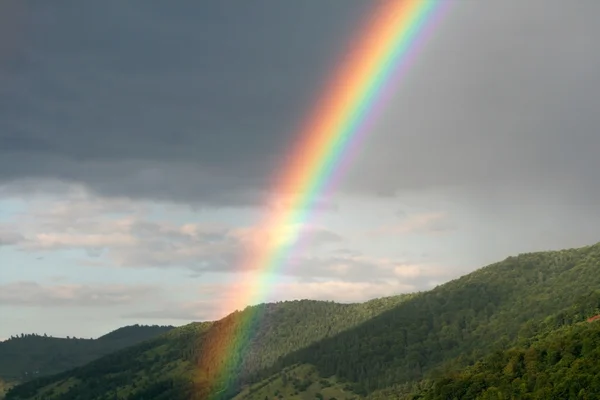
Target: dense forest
26,356
458,322
564,365
517,326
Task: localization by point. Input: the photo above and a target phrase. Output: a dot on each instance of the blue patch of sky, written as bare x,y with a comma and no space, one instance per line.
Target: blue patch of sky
10,207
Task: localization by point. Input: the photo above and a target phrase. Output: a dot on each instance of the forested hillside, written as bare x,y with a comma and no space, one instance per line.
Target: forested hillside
168,365
458,322
402,347
563,365
24,356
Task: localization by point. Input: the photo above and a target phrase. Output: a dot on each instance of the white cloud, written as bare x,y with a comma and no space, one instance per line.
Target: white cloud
27,293
122,233
361,268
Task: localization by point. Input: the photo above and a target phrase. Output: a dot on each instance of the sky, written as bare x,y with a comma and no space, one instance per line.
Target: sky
138,142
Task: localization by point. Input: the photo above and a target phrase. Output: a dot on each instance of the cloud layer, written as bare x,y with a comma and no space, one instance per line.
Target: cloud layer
125,232
501,103
200,102
109,233
72,295
197,102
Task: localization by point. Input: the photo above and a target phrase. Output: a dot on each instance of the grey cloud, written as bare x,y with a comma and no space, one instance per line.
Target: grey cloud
77,295
402,214
199,102
345,252
316,237
92,225
222,293
203,310
440,225
347,268
354,269
130,239
363,269
196,102
8,238
215,250
501,101
418,223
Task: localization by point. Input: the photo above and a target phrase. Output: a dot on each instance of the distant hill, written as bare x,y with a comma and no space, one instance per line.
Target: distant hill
403,347
26,356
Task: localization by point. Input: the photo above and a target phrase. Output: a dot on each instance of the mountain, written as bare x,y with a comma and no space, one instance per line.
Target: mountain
26,356
399,347
458,322
453,326
168,363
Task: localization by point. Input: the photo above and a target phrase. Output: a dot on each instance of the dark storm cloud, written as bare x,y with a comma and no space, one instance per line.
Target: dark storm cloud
502,102
198,101
193,101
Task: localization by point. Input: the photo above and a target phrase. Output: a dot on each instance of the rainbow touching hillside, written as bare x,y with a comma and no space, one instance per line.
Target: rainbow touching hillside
381,52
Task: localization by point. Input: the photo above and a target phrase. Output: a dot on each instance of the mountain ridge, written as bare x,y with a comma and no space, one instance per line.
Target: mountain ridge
26,355
413,340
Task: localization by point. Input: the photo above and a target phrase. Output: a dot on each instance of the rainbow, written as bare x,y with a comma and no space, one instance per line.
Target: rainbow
340,119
